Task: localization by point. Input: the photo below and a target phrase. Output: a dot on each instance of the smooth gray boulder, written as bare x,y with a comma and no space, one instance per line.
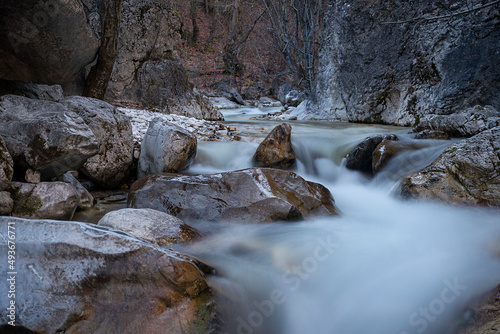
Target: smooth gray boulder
361,157
6,166
150,225
74,277
45,200
111,166
467,172
166,148
44,136
251,195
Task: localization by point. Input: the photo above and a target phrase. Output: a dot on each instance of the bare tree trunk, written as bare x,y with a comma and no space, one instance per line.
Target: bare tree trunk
98,78
194,18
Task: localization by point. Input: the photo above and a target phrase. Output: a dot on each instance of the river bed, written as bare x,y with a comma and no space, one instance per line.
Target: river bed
384,266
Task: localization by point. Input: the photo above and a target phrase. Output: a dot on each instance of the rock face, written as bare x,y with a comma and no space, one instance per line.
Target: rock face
6,166
463,124
151,225
361,157
249,195
166,148
45,200
468,172
147,69
45,42
44,136
373,68
82,278
276,150
113,131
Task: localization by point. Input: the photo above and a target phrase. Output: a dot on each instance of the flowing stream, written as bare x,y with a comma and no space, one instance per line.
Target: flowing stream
384,266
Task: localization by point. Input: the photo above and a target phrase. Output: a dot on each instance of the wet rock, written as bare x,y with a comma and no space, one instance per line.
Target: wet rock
388,149
83,278
6,203
150,225
463,124
374,71
467,172
276,149
111,166
361,157
45,42
166,148
45,200
432,134
86,200
6,166
32,176
249,195
44,136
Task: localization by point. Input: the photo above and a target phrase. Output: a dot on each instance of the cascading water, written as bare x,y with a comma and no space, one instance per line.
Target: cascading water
384,266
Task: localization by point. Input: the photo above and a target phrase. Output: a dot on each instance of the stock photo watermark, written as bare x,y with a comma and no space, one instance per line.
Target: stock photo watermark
293,279
11,273
425,315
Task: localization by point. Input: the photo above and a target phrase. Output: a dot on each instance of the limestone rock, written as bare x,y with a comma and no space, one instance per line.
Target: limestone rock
361,157
6,203
44,136
32,176
374,68
166,148
147,69
150,225
83,278
46,42
249,195
45,200
276,149
111,166
33,91
467,172
6,166
463,124
432,134
86,200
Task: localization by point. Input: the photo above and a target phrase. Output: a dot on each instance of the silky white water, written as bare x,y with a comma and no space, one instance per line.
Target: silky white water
383,266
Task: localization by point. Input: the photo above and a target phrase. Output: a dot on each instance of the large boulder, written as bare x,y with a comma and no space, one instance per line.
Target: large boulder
361,157
81,278
467,172
46,42
151,225
45,200
166,148
44,136
396,61
276,149
6,166
463,124
249,195
148,69
111,166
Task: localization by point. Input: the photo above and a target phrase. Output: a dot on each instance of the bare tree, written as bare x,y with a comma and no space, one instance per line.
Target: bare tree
295,26
99,75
